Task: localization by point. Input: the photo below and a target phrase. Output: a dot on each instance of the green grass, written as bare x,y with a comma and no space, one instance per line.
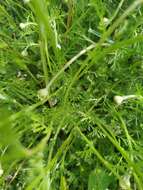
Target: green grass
62,64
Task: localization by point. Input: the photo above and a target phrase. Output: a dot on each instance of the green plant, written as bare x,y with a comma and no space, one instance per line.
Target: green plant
63,64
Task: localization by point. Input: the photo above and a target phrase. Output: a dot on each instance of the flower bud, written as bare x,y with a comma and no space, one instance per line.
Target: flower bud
43,93
125,182
118,100
24,53
1,170
26,1
22,25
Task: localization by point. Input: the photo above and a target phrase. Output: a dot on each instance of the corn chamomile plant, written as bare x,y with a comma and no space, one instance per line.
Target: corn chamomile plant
71,95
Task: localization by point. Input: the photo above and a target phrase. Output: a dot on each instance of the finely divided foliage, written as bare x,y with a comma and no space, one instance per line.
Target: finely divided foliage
71,95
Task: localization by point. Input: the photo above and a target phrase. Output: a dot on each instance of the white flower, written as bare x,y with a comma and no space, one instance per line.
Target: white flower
43,93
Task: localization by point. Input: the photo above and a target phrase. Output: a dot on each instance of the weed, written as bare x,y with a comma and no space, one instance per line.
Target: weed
71,94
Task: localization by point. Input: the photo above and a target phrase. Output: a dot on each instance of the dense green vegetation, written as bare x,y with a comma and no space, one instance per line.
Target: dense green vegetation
71,95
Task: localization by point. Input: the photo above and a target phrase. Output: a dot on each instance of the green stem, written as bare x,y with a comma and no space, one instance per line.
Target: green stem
105,162
45,69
